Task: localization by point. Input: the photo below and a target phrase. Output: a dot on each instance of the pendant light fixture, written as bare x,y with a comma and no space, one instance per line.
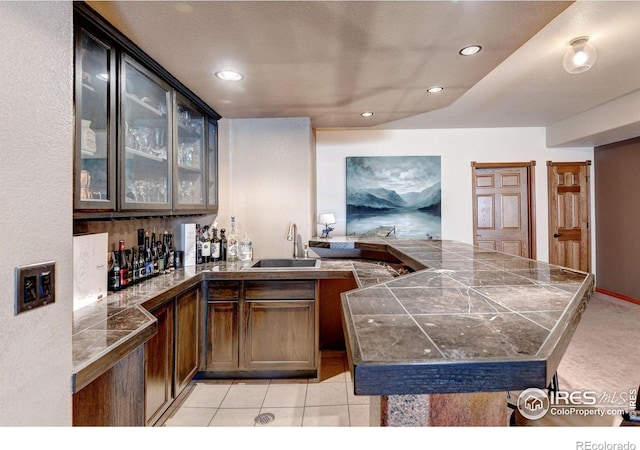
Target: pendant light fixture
580,56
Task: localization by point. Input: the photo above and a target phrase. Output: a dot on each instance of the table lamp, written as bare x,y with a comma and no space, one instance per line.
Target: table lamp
326,219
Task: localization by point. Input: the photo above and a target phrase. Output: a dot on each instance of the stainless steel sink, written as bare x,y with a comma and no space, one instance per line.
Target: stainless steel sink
286,263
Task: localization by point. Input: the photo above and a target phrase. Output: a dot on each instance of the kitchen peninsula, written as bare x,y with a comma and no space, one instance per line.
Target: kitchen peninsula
467,324
444,345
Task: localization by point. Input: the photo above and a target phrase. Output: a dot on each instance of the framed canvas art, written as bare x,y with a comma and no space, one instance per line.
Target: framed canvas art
394,195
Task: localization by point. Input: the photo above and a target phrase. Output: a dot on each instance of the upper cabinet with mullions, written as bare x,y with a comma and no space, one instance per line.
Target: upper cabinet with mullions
145,145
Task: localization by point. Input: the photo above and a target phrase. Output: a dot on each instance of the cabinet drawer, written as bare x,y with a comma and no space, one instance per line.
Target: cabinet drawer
223,290
280,289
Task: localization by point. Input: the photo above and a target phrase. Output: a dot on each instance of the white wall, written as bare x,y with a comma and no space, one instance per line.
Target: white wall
457,148
36,140
267,181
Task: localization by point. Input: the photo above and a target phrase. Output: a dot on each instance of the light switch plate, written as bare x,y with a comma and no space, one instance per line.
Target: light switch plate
35,286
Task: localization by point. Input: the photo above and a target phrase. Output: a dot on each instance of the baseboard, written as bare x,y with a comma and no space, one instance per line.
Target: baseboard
620,296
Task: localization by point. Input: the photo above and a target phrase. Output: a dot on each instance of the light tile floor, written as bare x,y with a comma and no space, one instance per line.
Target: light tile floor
293,402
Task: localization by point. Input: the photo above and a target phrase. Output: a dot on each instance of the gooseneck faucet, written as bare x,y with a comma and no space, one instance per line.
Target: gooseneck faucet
293,235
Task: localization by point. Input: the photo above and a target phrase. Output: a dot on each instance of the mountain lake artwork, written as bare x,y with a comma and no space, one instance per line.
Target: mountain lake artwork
394,195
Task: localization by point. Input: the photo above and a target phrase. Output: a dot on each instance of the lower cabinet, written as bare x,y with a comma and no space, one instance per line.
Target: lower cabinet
171,356
261,325
187,338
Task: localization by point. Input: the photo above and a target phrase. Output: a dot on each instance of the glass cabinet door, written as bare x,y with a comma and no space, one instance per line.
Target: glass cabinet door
212,162
189,161
145,139
94,162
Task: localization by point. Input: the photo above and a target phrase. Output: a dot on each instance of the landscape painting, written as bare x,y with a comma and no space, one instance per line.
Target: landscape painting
394,195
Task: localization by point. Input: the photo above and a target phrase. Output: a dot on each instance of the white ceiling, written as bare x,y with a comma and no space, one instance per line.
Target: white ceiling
331,60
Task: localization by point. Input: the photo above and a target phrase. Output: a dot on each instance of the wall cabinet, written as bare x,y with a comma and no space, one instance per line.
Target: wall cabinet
153,132
171,356
261,325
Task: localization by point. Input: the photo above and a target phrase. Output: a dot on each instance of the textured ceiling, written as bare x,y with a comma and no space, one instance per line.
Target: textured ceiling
330,60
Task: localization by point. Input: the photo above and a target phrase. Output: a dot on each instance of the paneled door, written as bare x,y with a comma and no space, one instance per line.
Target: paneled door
569,233
503,207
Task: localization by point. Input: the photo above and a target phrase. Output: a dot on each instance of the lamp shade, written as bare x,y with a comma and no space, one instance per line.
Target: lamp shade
326,218
580,57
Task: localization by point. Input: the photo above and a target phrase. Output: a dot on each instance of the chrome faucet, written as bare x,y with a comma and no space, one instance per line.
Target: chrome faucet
293,235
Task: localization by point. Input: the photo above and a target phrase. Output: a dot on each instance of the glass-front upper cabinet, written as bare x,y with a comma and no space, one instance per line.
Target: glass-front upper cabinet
212,158
145,139
94,162
189,156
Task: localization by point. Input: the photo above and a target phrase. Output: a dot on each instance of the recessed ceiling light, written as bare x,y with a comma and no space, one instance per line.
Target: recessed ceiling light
229,75
470,50
367,114
435,89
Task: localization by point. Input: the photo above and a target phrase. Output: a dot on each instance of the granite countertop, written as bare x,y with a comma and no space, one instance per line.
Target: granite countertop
107,330
472,320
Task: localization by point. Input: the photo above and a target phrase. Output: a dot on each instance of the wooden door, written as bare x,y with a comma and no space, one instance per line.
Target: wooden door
569,206
187,338
503,207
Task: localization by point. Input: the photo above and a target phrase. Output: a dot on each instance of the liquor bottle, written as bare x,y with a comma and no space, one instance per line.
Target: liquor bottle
223,245
205,245
148,257
142,270
215,245
134,268
232,242
114,273
124,267
245,249
169,255
198,244
154,254
161,258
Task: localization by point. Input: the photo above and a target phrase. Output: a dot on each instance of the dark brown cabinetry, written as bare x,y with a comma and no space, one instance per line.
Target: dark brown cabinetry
261,325
159,137
187,337
171,356
159,365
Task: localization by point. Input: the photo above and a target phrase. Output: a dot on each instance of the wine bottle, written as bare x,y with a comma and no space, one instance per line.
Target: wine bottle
161,259
223,245
172,254
232,242
134,268
142,270
154,254
124,266
114,273
205,245
198,244
148,257
215,245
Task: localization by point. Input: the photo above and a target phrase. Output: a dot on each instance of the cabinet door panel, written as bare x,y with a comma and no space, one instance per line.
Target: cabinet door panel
159,364
189,160
222,336
187,338
279,335
146,142
94,163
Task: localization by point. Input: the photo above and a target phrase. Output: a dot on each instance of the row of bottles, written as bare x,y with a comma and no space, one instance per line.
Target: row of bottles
211,248
150,258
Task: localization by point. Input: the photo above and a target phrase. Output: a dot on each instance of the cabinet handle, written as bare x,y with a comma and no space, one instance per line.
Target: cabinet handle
556,235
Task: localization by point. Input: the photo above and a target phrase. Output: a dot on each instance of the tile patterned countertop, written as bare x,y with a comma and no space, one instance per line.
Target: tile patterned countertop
472,320
106,331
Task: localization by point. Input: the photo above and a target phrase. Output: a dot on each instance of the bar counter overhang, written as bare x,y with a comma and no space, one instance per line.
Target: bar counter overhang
446,343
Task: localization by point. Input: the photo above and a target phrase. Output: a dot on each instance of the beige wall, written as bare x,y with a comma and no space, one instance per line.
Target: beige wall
457,148
267,181
618,217
36,137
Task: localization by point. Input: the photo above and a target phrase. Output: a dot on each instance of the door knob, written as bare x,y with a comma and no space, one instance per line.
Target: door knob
555,235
